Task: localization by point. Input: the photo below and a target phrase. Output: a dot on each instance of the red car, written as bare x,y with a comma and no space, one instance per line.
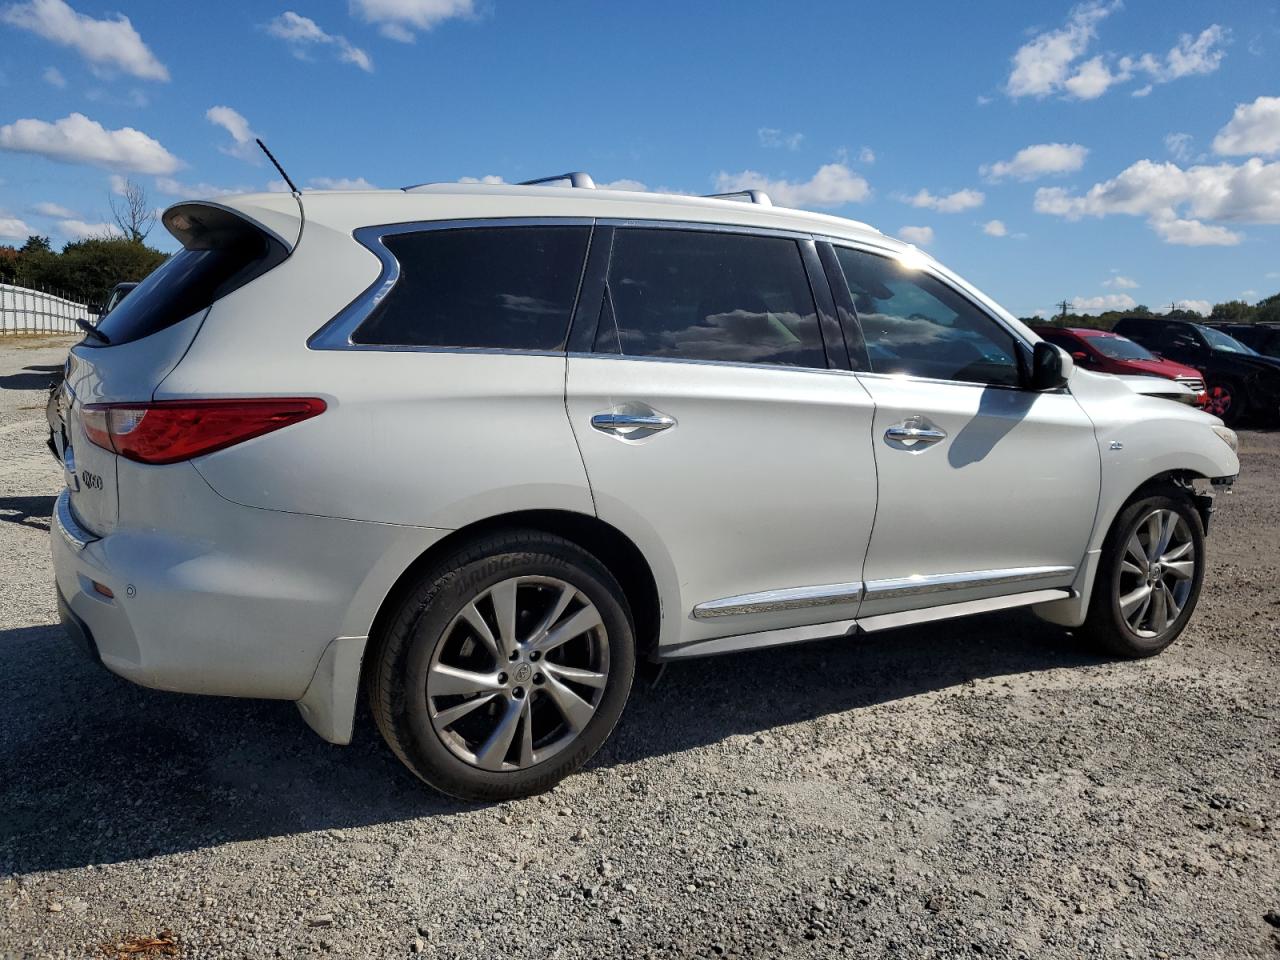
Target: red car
1109,352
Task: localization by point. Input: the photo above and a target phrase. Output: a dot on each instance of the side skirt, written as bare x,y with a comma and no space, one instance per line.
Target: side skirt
846,628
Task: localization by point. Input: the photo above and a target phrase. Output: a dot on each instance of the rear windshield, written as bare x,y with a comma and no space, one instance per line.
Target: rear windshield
221,253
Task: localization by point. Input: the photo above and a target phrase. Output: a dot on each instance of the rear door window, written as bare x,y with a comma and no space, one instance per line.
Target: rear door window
510,288
916,325
694,295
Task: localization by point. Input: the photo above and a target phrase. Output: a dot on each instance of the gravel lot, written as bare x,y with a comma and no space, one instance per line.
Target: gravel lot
982,787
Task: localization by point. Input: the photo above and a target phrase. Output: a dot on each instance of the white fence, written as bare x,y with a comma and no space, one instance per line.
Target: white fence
34,311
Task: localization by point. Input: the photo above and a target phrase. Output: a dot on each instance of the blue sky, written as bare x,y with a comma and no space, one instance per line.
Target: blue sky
1108,153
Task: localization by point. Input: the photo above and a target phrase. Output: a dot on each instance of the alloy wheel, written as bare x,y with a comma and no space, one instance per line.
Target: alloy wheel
1218,401
1156,573
518,673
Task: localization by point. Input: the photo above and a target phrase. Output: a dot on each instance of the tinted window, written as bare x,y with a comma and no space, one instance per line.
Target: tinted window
709,296
916,325
1064,340
1220,341
499,287
216,263
1120,348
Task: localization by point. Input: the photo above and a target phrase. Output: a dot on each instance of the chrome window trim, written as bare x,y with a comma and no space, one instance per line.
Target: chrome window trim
697,226
337,333
65,520
740,364
771,601
921,585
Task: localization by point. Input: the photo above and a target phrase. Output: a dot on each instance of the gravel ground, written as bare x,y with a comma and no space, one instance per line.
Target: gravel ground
982,787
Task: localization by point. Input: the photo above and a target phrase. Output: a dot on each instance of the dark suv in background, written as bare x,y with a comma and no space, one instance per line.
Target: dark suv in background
1239,381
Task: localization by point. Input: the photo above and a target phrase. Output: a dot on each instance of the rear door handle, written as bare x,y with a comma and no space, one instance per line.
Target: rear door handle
632,424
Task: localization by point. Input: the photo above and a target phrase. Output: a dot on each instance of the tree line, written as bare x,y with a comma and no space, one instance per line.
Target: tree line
1266,310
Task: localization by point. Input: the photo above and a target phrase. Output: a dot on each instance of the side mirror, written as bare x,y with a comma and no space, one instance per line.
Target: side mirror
1051,367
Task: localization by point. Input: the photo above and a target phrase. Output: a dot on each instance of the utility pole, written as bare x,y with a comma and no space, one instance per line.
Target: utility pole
1064,306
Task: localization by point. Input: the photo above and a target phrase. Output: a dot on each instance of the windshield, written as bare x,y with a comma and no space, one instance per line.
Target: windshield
1220,341
1120,348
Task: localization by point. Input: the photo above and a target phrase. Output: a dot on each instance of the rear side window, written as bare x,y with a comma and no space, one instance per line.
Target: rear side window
916,325
221,253
507,288
709,296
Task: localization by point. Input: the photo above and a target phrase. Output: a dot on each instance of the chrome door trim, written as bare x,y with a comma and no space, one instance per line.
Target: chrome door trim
75,535
964,608
771,601
336,334
920,585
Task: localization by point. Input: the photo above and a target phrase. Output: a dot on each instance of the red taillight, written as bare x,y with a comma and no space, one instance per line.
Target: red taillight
168,431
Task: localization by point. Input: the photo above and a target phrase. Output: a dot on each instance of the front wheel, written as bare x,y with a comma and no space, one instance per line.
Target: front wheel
1225,399
1149,576
505,668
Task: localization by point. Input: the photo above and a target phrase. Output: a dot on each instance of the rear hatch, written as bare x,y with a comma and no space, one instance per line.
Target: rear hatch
146,335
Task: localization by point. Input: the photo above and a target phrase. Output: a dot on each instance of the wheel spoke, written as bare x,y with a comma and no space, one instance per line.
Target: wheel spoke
1137,554
1153,535
573,708
1131,600
494,750
504,606
1168,523
1172,608
526,733
1177,553
579,623
455,713
445,680
567,593
481,629
588,678
1159,613
1179,570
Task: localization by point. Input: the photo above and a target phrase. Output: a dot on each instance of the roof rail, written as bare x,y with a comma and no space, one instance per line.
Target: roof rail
576,178
746,196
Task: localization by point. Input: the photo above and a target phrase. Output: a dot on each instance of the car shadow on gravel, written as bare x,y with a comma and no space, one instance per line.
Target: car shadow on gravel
94,769
36,377
28,511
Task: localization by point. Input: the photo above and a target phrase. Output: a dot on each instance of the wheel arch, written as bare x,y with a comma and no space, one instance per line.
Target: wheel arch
605,542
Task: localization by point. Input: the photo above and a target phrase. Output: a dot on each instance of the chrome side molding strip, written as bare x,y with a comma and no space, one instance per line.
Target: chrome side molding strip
962,609
941,582
769,601
77,536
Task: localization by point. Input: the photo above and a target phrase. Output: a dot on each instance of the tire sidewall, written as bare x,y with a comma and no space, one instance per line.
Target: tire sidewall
427,754
1128,524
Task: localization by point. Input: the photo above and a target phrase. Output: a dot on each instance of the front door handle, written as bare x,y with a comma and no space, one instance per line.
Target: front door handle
628,424
914,432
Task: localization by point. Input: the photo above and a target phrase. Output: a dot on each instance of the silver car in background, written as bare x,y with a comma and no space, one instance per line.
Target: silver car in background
474,449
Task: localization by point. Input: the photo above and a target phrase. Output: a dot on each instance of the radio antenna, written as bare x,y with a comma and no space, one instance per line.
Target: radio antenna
276,163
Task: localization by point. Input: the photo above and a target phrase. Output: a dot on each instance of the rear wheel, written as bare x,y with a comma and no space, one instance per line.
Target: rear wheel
1149,576
1225,399
505,668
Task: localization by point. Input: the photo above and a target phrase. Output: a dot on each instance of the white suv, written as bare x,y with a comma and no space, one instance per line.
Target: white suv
478,448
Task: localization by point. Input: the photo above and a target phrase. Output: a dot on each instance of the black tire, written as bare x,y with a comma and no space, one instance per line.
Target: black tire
1106,624
396,676
1226,399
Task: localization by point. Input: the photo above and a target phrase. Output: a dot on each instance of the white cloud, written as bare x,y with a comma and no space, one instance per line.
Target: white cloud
242,135
79,230
1119,282
487,178
11,228
77,139
176,188
398,19
866,155
1096,305
625,184
54,78
920,236
106,44
302,33
1038,160
1143,90
951,203
832,186
995,228
772,137
1178,145
56,210
1050,63
1254,128
1042,65
340,183
118,184
1193,233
